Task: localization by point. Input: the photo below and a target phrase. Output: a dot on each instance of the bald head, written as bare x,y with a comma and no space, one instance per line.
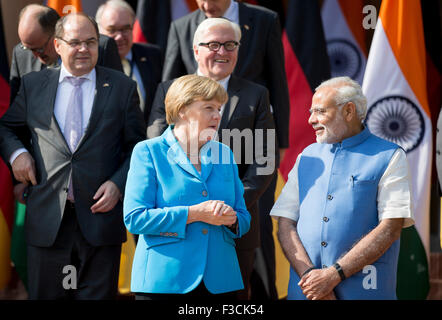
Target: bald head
36,29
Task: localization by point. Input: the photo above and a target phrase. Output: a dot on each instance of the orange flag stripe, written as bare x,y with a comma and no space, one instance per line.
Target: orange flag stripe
402,22
352,10
63,7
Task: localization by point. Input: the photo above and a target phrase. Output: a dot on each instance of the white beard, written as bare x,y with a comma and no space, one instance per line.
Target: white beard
333,132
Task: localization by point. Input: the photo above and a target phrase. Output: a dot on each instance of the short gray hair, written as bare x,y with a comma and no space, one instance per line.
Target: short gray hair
214,22
117,4
347,90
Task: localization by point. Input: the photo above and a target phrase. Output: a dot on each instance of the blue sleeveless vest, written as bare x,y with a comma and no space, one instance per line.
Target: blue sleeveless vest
338,206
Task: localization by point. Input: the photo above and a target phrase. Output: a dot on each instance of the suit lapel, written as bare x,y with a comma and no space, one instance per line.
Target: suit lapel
103,87
175,153
232,89
50,83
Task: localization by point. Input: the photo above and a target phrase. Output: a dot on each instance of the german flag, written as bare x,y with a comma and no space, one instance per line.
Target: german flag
6,194
306,65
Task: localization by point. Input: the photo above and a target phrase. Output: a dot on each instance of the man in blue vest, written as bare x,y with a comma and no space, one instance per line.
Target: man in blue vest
342,209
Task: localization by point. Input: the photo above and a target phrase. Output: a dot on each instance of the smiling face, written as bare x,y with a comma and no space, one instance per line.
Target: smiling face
78,61
219,64
326,118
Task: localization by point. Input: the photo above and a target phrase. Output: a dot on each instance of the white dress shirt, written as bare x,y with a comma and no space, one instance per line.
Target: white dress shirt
136,74
223,82
61,99
232,12
394,196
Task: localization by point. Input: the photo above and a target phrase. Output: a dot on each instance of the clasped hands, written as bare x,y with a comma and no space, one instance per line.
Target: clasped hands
214,212
318,284
23,168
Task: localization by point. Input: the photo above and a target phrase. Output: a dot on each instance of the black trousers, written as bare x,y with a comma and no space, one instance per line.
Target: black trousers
72,268
266,290
199,294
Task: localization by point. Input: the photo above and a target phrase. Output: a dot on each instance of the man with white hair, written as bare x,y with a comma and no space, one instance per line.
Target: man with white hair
215,47
347,198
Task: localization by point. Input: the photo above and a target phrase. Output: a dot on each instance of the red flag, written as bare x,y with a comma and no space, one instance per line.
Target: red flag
6,194
307,65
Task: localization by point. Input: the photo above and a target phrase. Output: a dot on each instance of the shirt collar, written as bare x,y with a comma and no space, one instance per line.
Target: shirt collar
354,140
232,12
223,82
65,73
129,55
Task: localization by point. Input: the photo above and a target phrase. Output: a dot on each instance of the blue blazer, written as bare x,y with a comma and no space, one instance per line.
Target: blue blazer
172,256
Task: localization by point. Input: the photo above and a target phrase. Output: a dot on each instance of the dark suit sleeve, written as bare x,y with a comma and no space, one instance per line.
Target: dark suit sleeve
12,124
134,132
108,54
277,83
157,119
173,65
259,174
14,77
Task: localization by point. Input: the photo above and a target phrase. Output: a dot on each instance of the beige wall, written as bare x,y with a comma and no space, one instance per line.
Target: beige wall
10,10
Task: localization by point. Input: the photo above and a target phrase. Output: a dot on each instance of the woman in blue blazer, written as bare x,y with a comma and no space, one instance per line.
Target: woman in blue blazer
184,197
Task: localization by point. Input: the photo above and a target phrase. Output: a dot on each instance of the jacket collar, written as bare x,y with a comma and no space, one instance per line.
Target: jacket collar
175,154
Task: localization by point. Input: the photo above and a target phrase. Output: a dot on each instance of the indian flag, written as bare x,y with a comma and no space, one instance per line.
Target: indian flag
395,86
345,37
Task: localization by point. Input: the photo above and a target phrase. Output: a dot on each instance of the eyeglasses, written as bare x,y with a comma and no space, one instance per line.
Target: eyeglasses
37,50
124,30
215,45
77,44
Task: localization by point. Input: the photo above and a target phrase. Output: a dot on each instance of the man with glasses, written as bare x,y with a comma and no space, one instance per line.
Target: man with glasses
84,121
141,62
215,46
36,49
261,60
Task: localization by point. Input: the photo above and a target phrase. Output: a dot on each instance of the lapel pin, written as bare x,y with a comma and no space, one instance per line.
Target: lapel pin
143,59
106,85
246,26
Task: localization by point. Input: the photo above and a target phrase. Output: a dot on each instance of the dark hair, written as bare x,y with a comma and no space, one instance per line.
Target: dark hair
59,27
46,17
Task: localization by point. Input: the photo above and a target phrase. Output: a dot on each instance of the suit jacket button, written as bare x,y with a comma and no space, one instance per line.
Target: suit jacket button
205,231
204,193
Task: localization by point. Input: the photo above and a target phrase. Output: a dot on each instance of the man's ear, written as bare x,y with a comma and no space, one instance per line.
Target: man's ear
349,111
57,44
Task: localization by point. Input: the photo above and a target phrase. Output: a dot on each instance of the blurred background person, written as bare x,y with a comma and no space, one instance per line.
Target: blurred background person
141,62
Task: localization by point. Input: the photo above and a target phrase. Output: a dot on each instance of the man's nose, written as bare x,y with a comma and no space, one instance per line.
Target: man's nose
312,119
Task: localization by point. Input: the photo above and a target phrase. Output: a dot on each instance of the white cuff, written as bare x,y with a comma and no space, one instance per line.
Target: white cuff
15,154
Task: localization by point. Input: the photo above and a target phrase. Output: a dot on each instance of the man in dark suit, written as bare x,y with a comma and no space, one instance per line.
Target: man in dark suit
141,62
84,121
245,115
261,60
36,51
